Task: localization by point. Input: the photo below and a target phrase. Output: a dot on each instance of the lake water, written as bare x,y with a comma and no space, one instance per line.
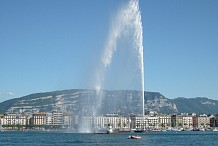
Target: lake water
193,138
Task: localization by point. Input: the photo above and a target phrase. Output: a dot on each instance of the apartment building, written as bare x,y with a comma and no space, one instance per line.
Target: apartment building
13,121
38,119
187,121
164,121
57,118
203,121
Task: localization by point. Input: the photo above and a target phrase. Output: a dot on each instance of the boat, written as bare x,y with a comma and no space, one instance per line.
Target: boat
176,129
100,131
140,130
215,129
133,137
202,129
155,130
109,130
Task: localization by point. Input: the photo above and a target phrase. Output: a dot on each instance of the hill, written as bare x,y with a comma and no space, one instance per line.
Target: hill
76,101
196,105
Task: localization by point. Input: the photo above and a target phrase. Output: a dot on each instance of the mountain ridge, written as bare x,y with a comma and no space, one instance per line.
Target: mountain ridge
75,101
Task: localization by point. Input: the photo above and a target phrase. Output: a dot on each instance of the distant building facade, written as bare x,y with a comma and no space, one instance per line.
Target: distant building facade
38,119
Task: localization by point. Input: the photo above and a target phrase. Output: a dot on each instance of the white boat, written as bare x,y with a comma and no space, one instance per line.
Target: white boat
202,129
133,137
215,129
109,130
176,129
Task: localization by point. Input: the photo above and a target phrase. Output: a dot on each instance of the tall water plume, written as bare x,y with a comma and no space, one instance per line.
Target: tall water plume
126,28
127,22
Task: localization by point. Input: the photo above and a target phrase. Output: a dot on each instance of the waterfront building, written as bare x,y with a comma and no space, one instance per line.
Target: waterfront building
184,120
86,122
195,121
67,121
173,120
212,121
140,122
147,122
118,121
115,121
151,122
216,120
13,120
1,118
57,118
132,122
38,119
28,119
102,122
203,121
187,121
164,121
48,118
112,120
179,121
99,122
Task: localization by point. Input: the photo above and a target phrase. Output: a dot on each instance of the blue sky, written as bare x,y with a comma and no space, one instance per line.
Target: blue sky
48,45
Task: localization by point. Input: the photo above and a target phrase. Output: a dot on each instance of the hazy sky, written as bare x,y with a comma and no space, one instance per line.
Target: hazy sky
48,45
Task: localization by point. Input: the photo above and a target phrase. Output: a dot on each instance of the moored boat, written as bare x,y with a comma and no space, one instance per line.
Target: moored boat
215,129
109,130
134,137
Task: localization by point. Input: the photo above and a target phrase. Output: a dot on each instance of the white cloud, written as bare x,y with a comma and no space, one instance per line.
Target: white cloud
11,94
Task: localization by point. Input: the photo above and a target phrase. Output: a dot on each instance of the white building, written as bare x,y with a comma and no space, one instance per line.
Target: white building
67,119
187,121
48,118
57,118
149,122
203,121
102,122
164,121
13,120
